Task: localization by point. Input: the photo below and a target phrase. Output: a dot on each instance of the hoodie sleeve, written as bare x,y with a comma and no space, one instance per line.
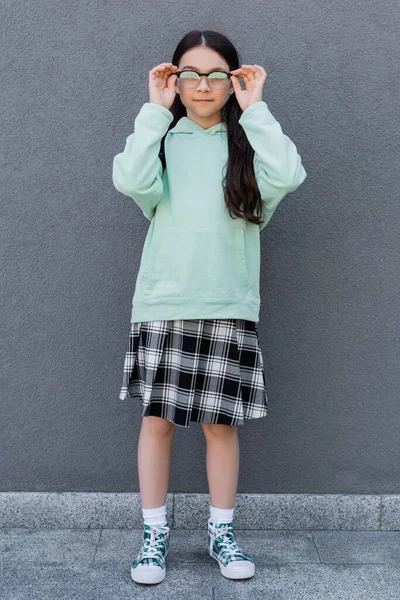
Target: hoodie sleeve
137,171
277,165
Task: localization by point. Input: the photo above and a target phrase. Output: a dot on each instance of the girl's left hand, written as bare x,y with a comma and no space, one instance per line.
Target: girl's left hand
254,78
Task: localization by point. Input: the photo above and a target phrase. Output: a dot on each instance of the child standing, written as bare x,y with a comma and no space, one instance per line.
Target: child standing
207,164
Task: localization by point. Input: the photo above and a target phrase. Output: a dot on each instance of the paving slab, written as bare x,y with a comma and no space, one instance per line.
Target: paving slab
85,564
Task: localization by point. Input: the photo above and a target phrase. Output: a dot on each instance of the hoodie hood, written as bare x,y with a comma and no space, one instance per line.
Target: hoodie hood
186,125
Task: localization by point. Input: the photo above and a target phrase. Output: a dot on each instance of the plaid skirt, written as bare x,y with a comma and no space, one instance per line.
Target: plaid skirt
202,370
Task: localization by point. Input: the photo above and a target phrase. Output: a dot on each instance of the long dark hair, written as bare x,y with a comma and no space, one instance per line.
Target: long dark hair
241,193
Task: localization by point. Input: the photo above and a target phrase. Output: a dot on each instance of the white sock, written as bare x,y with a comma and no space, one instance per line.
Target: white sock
221,515
155,516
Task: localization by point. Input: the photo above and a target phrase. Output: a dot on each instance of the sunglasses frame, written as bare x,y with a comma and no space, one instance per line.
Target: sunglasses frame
178,73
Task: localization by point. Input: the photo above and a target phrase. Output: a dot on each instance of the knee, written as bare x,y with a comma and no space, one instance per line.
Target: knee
158,426
217,431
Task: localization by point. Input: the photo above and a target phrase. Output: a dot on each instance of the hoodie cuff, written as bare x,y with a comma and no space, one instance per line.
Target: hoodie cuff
254,111
158,116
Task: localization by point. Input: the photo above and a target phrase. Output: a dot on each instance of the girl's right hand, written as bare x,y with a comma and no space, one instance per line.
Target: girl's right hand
161,86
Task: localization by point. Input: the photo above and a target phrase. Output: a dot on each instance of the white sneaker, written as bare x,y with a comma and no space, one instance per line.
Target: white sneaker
149,566
233,562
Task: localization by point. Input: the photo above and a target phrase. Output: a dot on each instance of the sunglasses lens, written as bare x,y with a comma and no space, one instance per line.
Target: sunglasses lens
218,75
218,80
189,79
189,75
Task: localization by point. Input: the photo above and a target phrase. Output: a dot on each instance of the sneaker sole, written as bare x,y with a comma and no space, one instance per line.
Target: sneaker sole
233,572
237,572
148,574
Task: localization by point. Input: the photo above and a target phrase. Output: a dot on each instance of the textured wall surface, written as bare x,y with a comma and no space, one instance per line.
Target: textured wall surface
74,76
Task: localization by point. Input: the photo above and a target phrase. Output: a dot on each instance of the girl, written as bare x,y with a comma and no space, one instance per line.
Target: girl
207,164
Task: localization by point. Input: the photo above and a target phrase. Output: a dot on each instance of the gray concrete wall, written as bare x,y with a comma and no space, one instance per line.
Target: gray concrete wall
74,76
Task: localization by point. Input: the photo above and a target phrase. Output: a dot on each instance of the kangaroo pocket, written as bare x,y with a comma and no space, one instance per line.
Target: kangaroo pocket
196,262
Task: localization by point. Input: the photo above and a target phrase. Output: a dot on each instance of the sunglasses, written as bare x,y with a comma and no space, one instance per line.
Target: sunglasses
217,80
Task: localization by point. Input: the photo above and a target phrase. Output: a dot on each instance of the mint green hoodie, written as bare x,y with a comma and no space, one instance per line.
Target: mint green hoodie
198,262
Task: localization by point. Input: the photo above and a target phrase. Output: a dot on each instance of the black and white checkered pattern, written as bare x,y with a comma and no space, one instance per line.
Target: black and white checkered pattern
203,370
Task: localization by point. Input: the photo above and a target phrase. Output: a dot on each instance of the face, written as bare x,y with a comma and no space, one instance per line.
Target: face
203,60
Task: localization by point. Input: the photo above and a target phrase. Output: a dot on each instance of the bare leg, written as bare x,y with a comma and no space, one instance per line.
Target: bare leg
154,460
222,460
